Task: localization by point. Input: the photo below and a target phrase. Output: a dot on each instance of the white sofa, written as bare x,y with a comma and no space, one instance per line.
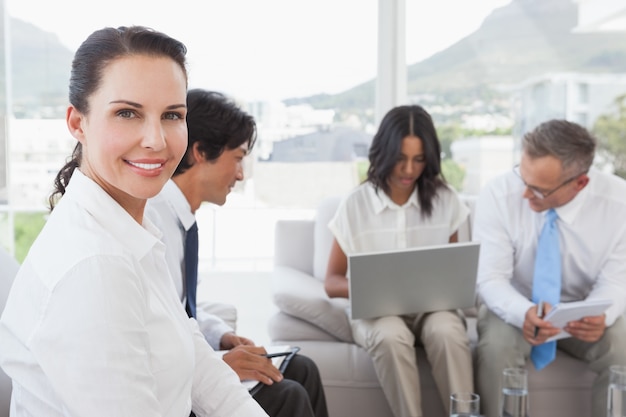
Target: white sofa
308,318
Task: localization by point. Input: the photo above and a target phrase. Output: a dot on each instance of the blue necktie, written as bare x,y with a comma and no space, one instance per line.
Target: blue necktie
191,269
547,281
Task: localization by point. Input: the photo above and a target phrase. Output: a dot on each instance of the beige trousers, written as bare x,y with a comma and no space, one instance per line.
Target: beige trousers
391,341
501,345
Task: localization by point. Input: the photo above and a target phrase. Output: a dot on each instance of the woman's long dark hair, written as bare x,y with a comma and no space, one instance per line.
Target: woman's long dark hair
92,57
398,123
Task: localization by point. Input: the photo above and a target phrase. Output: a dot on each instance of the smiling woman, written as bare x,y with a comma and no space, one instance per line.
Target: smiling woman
133,135
92,326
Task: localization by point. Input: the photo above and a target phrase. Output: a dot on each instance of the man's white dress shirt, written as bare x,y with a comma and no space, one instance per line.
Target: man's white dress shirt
171,213
93,327
592,231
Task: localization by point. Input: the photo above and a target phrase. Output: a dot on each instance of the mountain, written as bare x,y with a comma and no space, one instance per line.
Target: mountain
40,85
520,40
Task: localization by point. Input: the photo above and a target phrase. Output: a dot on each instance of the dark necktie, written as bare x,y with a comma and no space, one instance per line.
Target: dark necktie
547,281
191,269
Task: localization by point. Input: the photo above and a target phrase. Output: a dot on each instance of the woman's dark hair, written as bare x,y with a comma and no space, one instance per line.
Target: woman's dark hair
398,123
91,59
216,123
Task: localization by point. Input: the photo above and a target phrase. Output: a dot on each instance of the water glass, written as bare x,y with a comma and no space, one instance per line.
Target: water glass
616,403
464,404
514,398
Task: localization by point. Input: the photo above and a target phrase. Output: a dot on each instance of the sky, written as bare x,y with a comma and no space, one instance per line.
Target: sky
267,49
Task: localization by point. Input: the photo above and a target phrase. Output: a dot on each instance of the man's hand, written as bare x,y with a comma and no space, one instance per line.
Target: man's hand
249,363
231,340
588,329
534,324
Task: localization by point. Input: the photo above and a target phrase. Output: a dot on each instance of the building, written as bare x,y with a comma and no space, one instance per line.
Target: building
577,97
483,158
340,144
38,150
277,122
601,15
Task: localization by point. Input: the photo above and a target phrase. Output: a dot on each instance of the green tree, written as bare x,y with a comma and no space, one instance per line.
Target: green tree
610,129
361,169
448,133
27,228
453,173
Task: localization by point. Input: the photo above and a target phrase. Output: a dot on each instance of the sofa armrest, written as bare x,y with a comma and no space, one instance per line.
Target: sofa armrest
224,311
302,295
285,329
293,244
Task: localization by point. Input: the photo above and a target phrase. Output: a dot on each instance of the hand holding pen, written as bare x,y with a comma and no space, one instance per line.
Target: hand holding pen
277,354
250,362
535,330
540,315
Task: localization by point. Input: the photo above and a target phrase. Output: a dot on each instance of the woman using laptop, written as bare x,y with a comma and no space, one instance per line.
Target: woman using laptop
404,203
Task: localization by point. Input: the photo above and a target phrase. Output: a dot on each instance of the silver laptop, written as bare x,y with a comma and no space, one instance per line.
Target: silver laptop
416,280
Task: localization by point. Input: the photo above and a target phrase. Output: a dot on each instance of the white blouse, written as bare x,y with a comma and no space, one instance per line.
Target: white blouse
93,327
368,221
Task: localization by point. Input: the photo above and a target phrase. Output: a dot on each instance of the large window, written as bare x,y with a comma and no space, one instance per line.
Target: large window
306,71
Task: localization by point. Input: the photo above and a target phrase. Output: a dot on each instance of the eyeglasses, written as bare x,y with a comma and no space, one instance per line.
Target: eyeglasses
543,194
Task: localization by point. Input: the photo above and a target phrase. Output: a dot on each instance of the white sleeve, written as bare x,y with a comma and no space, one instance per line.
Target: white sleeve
217,390
611,283
92,342
497,256
211,325
339,225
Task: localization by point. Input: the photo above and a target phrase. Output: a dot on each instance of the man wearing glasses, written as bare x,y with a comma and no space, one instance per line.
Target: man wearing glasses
583,210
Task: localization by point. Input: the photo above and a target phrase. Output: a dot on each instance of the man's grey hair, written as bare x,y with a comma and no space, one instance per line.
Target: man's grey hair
569,142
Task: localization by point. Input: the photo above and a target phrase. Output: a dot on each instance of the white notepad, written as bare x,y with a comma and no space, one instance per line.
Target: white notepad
563,313
277,362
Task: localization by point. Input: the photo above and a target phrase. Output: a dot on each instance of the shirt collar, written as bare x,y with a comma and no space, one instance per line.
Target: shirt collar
381,200
177,200
568,212
136,238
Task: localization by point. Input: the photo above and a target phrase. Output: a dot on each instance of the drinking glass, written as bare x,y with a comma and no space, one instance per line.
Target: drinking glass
616,402
464,404
514,398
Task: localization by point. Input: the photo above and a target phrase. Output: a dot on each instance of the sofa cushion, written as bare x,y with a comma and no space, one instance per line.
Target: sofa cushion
283,327
225,311
322,236
303,296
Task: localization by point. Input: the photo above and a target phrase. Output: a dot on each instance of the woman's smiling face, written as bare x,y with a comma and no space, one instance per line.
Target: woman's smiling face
135,131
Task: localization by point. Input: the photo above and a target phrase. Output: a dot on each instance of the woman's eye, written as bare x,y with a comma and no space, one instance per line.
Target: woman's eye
173,116
127,114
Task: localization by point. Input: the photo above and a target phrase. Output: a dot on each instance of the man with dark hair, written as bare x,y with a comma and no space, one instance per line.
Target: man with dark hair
565,243
220,136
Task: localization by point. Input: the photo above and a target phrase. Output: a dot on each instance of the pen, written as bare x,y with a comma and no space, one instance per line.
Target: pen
539,314
276,354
